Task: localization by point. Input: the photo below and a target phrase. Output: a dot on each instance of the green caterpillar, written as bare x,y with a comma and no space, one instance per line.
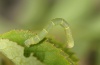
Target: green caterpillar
40,36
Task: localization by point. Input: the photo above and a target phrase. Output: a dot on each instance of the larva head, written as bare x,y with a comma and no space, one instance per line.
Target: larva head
69,38
70,45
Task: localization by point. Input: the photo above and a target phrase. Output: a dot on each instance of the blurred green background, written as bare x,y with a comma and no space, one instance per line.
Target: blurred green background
83,17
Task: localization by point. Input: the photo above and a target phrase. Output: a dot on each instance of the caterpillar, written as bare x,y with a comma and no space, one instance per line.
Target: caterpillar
57,21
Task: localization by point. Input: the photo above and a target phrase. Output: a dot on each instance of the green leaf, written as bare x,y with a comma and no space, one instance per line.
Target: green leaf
47,51
49,54
62,46
18,36
14,52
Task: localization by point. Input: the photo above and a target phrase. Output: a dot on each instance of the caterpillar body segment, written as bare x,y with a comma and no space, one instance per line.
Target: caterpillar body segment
57,21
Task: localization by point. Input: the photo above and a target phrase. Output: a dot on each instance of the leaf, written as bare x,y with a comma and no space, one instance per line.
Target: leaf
45,51
14,52
18,36
49,54
62,46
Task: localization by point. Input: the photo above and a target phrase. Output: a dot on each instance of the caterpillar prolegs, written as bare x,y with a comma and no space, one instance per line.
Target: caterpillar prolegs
57,21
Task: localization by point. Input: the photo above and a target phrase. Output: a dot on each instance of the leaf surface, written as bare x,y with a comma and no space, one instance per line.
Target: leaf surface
48,52
14,52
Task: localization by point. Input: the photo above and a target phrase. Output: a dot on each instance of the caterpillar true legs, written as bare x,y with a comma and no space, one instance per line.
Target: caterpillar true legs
57,21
